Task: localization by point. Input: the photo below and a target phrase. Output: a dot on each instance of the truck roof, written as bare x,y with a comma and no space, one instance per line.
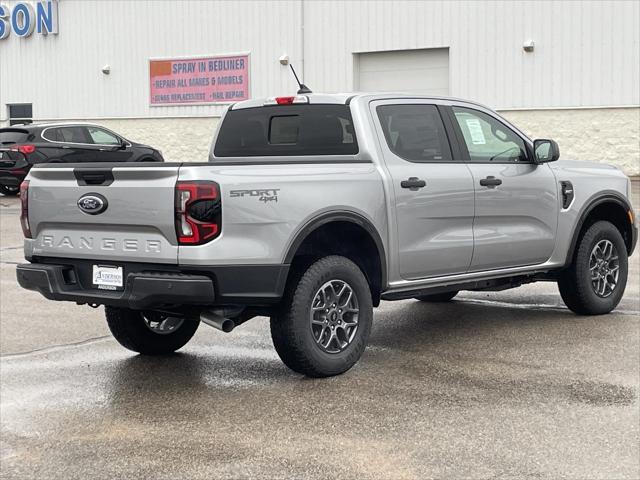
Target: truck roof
346,98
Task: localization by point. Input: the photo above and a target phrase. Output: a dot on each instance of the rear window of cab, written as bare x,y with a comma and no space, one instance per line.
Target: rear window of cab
287,130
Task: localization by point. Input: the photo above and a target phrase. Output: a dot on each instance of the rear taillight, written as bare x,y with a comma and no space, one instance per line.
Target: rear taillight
198,212
24,214
26,149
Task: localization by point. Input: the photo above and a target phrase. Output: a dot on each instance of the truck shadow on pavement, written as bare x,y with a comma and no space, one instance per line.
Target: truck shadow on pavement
473,353
456,353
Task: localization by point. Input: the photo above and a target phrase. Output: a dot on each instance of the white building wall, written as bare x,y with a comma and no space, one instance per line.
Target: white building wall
61,74
586,53
586,56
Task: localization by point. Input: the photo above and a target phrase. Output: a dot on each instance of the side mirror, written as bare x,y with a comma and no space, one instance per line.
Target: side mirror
123,144
545,151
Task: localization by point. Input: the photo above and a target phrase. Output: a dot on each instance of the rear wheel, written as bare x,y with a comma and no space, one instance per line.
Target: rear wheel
149,333
9,191
595,281
325,319
437,297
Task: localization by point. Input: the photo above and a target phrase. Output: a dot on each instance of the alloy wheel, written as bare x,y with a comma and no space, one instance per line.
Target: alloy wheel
334,316
162,324
604,268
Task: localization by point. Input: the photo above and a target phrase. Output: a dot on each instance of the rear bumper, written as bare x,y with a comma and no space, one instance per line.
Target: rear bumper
149,286
143,290
9,179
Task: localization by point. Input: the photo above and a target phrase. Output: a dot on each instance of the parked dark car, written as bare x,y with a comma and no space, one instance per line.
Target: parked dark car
63,143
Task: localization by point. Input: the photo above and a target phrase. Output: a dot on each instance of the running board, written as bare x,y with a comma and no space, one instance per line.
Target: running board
494,285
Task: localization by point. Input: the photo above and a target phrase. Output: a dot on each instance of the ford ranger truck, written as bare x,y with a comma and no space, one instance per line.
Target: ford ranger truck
314,208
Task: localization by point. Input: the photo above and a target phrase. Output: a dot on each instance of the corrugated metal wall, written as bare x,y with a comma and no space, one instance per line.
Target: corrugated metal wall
586,54
61,74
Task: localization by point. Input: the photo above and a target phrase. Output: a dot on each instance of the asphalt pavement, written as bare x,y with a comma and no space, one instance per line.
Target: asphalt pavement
493,385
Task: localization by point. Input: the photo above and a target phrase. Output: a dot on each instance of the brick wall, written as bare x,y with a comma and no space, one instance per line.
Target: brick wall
610,135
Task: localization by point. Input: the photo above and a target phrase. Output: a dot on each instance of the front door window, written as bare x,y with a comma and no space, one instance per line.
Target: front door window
489,140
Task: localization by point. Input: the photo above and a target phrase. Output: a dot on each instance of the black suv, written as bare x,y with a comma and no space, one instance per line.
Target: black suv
63,142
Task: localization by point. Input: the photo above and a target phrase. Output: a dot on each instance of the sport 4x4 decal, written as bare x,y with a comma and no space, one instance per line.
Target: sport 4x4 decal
264,194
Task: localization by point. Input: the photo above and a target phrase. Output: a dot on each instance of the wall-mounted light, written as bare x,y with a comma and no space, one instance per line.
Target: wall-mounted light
106,69
528,46
284,60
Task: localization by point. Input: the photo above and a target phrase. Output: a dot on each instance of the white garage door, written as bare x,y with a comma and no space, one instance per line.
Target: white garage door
416,71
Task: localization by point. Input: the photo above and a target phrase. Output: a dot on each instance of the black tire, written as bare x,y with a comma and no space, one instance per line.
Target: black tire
437,297
291,330
575,283
9,191
130,330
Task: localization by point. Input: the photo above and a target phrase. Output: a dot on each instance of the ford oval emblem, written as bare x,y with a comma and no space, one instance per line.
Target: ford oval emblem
92,203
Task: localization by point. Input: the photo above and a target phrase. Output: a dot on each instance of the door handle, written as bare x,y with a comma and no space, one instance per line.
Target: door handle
490,182
93,176
413,183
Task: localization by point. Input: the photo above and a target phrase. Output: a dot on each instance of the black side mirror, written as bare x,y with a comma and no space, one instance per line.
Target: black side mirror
123,144
545,151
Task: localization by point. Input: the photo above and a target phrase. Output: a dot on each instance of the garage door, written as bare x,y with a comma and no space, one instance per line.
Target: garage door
417,71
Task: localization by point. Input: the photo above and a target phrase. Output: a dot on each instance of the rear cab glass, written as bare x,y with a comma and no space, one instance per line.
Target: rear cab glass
10,136
287,130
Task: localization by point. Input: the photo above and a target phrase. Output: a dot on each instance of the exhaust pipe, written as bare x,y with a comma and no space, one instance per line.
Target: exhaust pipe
217,321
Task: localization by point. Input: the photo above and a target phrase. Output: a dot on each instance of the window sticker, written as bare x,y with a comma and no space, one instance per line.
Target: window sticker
475,129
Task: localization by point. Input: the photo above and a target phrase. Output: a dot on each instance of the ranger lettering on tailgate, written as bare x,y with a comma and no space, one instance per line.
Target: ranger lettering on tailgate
107,244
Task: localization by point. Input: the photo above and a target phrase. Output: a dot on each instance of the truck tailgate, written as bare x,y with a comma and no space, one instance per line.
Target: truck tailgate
137,224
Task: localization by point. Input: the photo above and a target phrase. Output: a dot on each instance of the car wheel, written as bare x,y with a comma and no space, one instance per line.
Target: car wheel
324,322
437,297
595,281
9,191
149,333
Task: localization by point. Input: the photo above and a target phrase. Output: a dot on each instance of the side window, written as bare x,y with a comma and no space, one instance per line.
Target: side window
487,139
77,134
102,137
53,135
415,132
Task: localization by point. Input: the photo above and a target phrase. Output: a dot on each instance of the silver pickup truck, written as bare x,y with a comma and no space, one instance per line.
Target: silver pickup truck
314,208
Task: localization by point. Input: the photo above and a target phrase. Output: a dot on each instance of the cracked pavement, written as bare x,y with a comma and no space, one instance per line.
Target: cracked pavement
494,385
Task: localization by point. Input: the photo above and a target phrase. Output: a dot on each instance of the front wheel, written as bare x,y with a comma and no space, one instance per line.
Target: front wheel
595,281
149,333
325,319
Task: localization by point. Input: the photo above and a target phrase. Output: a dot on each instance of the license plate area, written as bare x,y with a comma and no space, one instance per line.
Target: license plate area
107,277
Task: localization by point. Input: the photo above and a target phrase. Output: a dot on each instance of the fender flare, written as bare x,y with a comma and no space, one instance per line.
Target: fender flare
340,216
591,204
